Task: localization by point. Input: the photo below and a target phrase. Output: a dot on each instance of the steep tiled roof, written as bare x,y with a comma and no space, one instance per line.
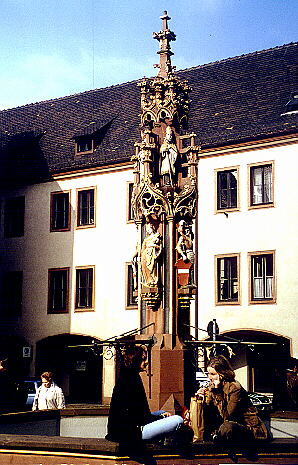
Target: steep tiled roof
243,98
233,100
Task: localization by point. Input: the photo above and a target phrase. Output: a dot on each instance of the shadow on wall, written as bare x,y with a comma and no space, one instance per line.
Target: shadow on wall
77,368
22,158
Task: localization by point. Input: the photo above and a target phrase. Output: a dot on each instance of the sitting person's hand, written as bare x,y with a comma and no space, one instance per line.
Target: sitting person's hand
186,416
201,392
216,381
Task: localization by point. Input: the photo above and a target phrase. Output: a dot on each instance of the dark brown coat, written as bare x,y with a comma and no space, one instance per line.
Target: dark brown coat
234,405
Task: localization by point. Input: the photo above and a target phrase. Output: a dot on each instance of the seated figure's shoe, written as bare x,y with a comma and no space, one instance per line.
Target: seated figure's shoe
215,437
250,455
233,456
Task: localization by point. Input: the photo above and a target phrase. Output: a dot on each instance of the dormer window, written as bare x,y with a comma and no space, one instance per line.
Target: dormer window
292,105
84,144
89,137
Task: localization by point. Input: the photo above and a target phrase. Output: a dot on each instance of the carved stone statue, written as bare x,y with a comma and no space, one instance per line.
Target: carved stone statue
140,157
134,265
168,156
151,250
184,245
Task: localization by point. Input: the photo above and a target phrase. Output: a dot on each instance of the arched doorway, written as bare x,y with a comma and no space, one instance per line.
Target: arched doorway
76,366
259,358
14,350
265,362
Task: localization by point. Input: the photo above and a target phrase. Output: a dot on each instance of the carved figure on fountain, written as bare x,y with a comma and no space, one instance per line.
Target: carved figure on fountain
168,157
184,245
150,252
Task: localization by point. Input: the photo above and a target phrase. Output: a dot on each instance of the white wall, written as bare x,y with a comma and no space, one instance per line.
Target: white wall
112,243
107,246
249,231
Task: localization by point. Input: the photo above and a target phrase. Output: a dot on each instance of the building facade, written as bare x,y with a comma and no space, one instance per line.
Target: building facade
68,235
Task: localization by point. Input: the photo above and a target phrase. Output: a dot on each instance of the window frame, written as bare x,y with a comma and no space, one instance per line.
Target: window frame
217,259
263,300
78,141
78,210
51,271
129,209
217,192
18,310
92,307
250,167
52,228
13,227
129,304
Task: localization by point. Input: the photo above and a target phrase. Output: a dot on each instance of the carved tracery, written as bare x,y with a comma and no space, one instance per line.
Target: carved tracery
165,167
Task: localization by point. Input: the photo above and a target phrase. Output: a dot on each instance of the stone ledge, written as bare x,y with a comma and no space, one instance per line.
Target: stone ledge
98,410
105,447
21,417
70,410
284,414
85,410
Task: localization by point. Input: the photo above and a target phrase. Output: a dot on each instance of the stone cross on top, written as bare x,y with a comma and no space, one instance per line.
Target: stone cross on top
164,37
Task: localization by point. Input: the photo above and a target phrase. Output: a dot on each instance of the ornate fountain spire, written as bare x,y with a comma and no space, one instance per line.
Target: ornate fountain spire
164,202
165,36
165,190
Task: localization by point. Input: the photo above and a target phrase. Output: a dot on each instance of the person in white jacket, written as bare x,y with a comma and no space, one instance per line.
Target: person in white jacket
48,395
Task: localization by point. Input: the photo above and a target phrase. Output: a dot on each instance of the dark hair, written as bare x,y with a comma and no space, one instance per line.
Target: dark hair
48,375
223,367
4,364
133,356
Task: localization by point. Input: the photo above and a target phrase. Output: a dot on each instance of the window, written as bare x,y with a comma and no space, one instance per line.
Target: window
227,279
261,187
84,144
227,196
292,104
84,288
86,208
60,211
58,290
14,216
131,287
262,277
12,293
130,212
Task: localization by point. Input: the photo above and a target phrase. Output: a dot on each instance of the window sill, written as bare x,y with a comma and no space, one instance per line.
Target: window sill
83,310
227,210
84,153
228,302
86,226
131,307
262,302
58,312
60,230
261,205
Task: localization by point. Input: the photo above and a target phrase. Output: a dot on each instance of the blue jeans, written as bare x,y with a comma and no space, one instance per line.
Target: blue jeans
161,428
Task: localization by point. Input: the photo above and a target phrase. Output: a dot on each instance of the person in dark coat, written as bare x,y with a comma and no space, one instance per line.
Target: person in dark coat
7,389
292,387
130,418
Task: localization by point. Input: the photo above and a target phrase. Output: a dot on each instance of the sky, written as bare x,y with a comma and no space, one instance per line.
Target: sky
53,48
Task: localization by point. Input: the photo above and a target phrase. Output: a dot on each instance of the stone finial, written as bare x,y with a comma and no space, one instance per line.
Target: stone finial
164,37
165,19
